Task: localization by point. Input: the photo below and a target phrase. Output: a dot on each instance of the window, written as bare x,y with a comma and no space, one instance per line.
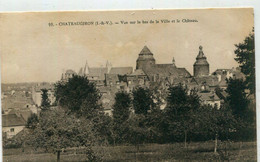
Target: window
12,130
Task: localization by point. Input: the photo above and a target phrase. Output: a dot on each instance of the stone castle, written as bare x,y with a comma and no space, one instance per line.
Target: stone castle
110,80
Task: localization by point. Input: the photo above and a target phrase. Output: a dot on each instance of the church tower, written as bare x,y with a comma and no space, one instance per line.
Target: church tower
145,59
201,66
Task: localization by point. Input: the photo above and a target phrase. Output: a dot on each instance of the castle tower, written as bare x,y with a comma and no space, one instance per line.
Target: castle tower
145,59
201,66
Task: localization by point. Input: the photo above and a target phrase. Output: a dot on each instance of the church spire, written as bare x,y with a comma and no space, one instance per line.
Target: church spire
86,69
173,61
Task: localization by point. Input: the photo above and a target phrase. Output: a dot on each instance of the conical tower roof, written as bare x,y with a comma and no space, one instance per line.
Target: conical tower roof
146,51
145,54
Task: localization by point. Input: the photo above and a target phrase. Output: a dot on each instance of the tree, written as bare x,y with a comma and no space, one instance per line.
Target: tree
121,107
57,130
138,131
245,56
78,95
239,103
32,121
142,100
45,104
237,98
215,122
121,113
179,113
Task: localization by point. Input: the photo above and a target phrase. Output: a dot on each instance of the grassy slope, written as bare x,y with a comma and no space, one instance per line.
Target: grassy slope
202,151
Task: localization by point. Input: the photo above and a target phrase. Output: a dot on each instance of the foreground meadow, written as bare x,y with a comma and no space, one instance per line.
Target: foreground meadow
199,151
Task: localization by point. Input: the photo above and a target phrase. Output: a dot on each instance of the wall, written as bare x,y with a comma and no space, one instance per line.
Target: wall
10,134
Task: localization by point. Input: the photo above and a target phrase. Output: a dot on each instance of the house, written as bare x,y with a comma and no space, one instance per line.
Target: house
15,102
210,98
12,124
224,74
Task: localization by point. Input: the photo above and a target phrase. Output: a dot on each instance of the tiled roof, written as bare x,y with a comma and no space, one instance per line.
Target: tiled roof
15,102
9,120
183,72
121,70
113,77
167,70
162,70
209,80
24,113
98,72
138,72
208,96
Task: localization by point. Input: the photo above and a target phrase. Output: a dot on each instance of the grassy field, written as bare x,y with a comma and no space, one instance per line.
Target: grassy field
200,151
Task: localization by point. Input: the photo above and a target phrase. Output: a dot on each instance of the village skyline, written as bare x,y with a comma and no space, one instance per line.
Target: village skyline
38,53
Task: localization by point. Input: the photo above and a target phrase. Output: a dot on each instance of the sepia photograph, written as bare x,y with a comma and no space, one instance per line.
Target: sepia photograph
128,85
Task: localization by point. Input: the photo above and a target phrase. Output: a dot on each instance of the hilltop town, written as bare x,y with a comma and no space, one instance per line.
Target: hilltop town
110,80
19,101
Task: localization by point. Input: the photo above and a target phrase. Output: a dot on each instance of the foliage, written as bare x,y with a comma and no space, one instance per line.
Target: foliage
138,132
17,141
32,121
239,103
237,98
78,95
121,107
179,115
214,121
45,104
142,100
57,130
245,56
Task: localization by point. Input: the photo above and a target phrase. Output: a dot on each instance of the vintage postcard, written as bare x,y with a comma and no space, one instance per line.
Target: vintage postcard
132,85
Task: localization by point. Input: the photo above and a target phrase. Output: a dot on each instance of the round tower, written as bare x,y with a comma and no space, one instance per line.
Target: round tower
145,59
201,66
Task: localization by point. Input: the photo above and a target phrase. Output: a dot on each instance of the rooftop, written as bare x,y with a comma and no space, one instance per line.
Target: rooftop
9,120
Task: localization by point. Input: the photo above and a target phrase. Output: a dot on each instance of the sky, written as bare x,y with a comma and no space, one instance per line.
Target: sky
31,51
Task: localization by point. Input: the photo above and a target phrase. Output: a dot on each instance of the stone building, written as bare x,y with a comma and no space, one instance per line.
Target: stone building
166,73
110,80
